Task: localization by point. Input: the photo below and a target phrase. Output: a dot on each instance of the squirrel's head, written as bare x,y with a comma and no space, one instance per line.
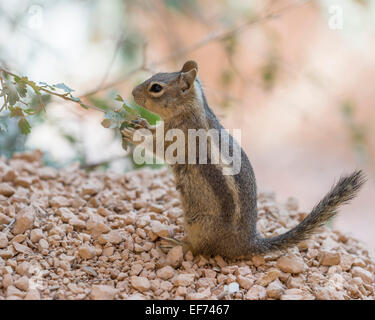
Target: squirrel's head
170,94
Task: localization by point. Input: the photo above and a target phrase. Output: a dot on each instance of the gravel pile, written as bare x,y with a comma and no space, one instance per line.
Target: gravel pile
71,235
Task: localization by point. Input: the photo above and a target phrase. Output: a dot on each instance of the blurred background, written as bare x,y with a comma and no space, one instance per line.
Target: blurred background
297,77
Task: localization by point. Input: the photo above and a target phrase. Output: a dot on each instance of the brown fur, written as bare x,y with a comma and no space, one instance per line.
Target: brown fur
220,211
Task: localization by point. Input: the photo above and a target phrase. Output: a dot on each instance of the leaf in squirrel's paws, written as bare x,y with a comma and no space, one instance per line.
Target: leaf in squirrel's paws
132,113
113,119
120,118
124,125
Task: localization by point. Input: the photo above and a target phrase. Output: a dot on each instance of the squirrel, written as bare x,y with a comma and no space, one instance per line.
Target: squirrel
220,211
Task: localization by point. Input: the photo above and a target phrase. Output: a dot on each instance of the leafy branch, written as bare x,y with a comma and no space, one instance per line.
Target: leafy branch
18,92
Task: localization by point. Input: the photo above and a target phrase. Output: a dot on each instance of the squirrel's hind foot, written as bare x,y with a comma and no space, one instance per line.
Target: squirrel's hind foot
170,243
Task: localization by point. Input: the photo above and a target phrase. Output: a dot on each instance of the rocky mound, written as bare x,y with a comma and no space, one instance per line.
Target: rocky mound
68,234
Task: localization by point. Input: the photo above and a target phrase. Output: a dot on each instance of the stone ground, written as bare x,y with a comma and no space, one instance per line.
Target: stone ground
68,234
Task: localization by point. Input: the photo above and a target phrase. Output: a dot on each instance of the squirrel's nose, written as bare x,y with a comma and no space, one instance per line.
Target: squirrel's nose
134,91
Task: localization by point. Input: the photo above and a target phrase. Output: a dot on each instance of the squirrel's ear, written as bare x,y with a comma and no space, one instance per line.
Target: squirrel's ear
187,79
189,65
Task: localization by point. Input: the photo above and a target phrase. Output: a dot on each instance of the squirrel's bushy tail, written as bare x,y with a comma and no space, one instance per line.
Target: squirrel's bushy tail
342,192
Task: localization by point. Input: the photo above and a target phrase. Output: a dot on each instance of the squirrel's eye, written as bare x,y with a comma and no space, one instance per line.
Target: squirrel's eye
156,88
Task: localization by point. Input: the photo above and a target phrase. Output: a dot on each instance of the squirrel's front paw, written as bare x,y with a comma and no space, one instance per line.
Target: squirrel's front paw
141,123
128,134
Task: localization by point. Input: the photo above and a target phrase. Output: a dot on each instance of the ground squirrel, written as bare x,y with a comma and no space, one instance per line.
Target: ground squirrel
220,211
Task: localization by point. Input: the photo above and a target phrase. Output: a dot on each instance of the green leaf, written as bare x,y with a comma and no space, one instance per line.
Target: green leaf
151,118
29,110
24,126
119,98
16,112
11,93
121,118
64,87
127,107
130,110
21,86
124,125
32,84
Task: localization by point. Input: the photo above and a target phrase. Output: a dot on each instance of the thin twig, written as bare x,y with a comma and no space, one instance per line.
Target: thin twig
211,37
144,56
2,89
222,35
41,106
215,36
118,45
142,67
70,99
41,102
60,95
